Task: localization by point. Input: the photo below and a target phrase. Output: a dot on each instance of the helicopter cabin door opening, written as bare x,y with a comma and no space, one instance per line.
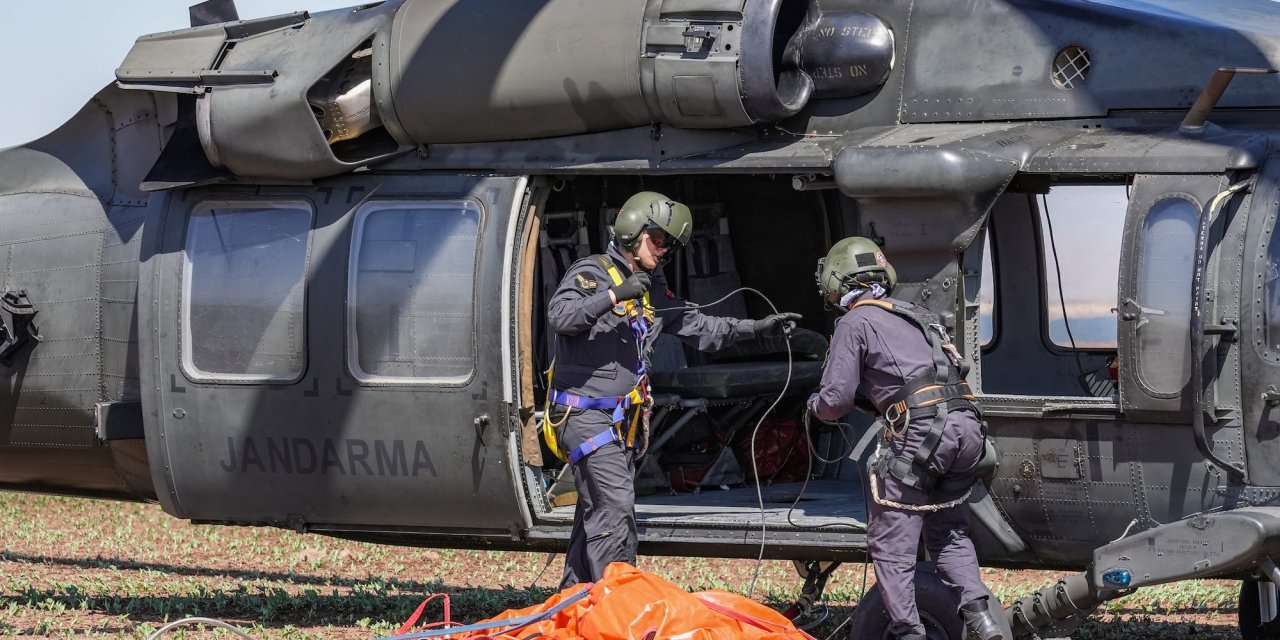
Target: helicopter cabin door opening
696,483
320,355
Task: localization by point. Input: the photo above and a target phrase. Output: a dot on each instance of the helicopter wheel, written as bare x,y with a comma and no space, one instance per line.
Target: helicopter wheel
1249,616
936,603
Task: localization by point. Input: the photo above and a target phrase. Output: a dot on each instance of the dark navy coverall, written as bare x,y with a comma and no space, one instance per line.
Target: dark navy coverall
596,356
873,353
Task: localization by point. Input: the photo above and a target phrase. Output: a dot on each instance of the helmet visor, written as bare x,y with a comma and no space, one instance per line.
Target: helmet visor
661,239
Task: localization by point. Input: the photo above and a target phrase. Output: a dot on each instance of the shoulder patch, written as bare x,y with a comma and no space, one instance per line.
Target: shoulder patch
585,283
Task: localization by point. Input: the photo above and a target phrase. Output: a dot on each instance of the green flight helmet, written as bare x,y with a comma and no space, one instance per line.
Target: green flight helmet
854,262
652,208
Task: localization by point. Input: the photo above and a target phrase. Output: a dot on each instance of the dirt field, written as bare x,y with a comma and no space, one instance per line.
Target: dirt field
84,567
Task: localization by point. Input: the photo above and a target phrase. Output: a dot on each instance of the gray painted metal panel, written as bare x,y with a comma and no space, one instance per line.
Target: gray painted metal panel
544,68
308,453
70,235
1128,472
172,56
270,130
1140,57
1109,151
1259,357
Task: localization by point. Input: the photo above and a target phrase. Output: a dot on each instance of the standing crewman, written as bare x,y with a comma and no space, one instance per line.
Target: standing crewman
900,358
605,314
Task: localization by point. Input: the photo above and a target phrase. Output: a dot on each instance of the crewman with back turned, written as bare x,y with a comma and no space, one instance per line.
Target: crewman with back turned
605,315
899,357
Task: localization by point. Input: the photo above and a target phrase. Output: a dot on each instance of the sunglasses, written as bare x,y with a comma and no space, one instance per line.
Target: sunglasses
660,239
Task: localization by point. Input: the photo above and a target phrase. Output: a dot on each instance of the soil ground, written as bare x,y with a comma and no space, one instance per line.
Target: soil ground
84,567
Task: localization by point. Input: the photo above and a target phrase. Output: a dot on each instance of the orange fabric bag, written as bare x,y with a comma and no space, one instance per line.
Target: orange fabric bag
630,604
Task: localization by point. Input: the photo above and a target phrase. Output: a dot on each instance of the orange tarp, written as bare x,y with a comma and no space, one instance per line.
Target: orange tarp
630,604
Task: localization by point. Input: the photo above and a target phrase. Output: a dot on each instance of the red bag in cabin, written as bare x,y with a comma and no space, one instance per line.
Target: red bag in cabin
781,448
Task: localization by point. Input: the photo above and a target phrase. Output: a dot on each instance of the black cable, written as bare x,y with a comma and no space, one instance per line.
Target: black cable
808,472
1062,301
755,470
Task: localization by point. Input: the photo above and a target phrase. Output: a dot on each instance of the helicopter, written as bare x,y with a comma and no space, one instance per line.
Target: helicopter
291,271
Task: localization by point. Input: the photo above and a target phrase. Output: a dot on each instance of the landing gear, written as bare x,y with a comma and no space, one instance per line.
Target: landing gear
936,602
808,611
1257,611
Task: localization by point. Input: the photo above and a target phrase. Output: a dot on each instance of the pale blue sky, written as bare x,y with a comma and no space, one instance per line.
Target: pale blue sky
56,54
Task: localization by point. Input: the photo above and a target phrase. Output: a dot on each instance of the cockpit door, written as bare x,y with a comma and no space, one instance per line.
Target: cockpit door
1154,306
336,357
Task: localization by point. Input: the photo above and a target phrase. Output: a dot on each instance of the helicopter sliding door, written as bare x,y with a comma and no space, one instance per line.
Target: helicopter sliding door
332,358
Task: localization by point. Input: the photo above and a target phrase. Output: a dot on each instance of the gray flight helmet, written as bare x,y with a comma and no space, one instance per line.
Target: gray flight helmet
652,208
854,262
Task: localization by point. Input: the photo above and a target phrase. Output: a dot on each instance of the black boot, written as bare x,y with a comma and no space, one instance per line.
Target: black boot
980,621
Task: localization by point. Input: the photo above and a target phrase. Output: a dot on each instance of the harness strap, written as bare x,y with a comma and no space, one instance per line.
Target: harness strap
606,436
920,394
943,390
619,404
640,320
948,366
548,426
594,442
931,439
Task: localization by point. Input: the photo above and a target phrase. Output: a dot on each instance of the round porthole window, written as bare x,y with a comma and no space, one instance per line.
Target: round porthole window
1070,67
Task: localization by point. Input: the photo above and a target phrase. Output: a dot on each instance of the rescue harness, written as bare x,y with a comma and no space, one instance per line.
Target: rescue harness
640,317
941,390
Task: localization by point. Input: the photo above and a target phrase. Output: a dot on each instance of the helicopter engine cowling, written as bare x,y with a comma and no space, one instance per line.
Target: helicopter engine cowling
300,97
563,67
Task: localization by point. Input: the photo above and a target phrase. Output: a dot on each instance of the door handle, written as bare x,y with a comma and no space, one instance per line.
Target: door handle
482,422
1271,396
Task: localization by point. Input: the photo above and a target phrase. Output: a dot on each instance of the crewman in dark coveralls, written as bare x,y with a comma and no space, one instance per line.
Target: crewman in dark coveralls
606,314
899,358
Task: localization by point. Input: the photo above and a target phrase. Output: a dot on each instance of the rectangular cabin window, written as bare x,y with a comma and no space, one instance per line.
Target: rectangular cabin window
244,291
411,297
1080,231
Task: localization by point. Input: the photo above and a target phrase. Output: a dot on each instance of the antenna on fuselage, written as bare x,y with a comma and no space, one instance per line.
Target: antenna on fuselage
1194,123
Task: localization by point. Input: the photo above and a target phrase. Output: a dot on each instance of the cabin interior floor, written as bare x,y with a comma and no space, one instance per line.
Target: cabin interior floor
823,504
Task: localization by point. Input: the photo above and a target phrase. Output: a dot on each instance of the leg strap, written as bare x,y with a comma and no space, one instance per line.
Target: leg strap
594,442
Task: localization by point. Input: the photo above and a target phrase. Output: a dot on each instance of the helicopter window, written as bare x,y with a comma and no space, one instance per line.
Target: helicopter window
1271,283
1081,229
243,299
411,296
1164,282
986,297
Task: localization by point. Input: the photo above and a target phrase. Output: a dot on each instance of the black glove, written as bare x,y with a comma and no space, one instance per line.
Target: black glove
773,325
633,287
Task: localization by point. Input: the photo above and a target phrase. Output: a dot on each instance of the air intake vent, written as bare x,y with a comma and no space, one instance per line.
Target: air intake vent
1070,67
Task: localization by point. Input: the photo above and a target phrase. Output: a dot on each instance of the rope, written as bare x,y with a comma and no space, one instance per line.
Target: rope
927,508
197,620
